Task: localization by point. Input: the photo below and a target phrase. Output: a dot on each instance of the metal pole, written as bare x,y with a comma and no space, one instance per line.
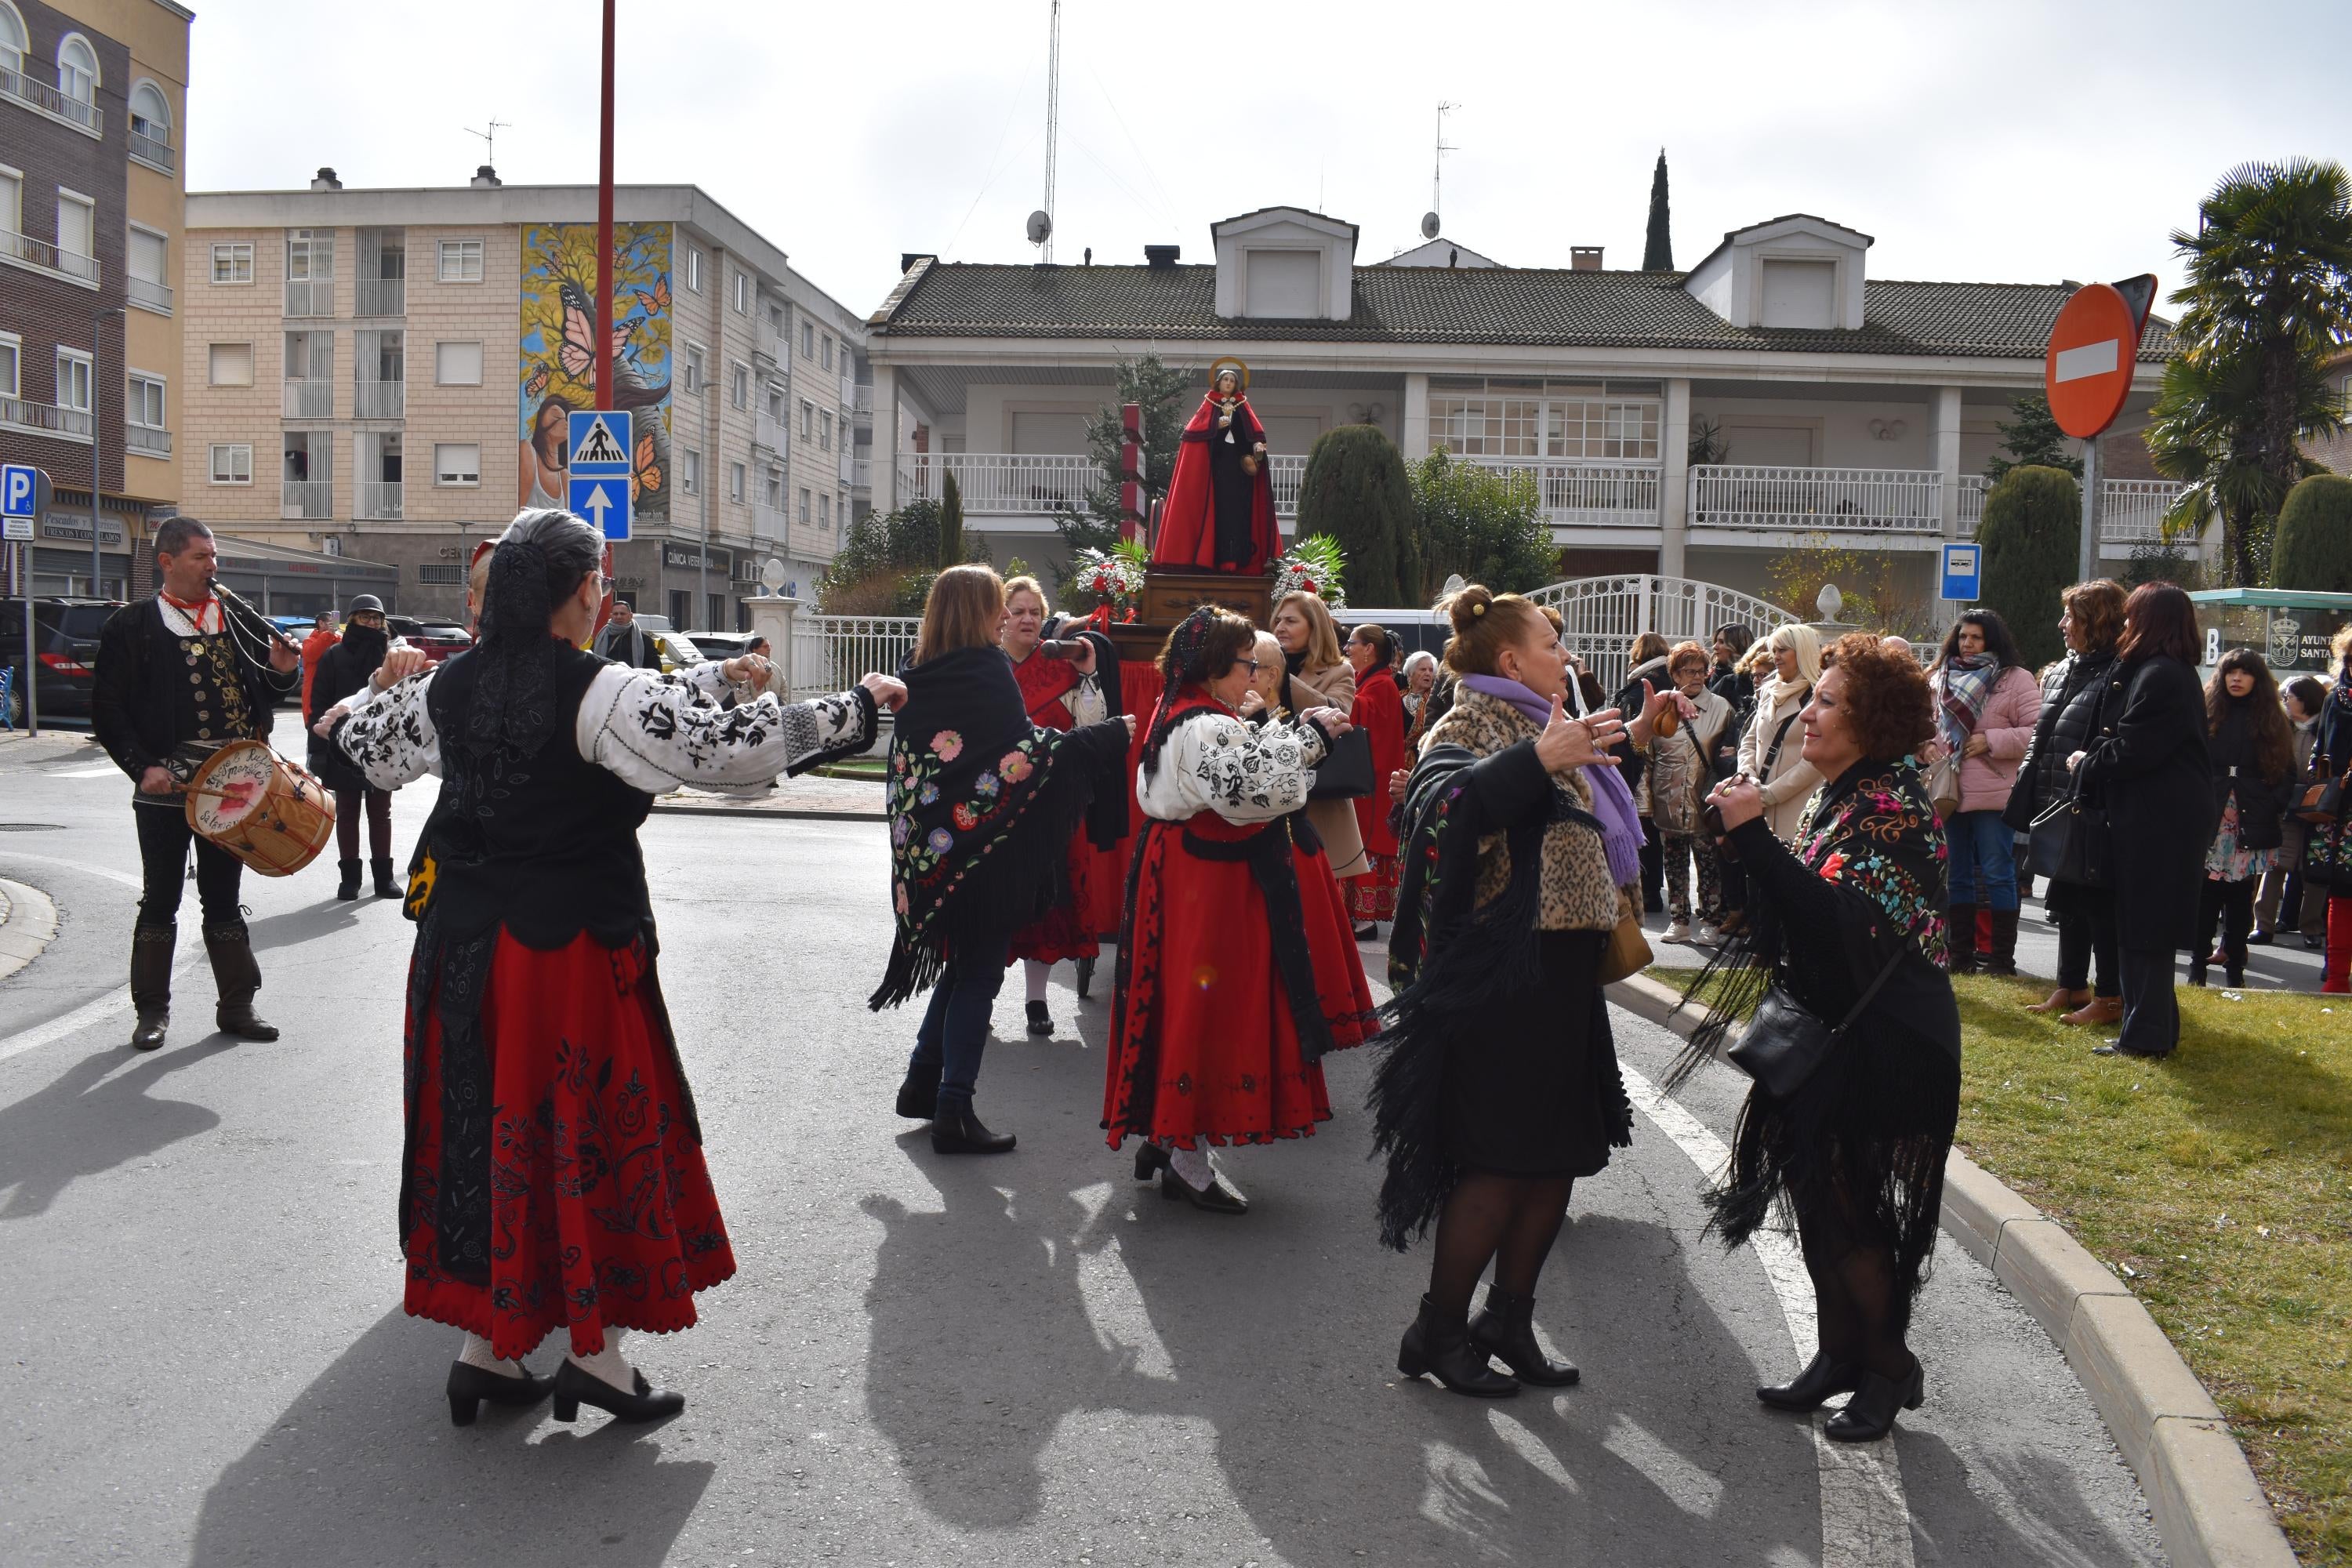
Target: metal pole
32,690
2086,554
605,228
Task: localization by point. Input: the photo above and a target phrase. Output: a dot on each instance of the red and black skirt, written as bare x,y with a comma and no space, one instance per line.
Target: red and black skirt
553,1174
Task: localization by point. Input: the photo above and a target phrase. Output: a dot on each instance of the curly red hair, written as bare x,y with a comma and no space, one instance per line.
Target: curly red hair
1888,705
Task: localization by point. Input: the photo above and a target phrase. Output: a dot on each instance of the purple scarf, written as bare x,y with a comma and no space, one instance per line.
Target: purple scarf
1613,797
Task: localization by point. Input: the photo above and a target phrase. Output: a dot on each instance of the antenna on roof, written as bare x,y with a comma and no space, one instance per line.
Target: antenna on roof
1437,174
489,138
1042,235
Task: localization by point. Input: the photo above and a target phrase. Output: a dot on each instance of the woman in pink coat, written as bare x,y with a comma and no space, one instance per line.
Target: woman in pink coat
1985,705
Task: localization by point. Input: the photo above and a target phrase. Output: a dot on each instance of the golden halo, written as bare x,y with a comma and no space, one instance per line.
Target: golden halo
1216,366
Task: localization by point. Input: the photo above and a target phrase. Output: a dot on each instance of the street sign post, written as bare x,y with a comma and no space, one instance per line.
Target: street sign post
1963,572
601,443
24,492
2086,373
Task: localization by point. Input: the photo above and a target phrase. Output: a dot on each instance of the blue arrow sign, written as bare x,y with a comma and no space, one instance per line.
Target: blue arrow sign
603,502
20,489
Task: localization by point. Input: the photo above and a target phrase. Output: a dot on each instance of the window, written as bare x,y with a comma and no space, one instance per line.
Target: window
461,262
232,465
776,405
77,68
841,510
12,351
151,113
828,351
457,463
739,394
12,40
689,471
776,489
147,264
1591,421
808,340
735,483
824,511
12,196
458,363
310,256
824,431
776,320
694,367
808,420
742,293
146,401
694,269
233,263
231,364
804,506
76,224
73,379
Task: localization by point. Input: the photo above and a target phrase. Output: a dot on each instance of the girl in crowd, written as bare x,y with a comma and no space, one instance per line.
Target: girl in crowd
553,1176
1380,713
2324,861
1848,915
2283,901
1317,675
342,669
1769,755
982,804
1678,779
1217,1030
1498,1083
1985,705
2251,746
2091,622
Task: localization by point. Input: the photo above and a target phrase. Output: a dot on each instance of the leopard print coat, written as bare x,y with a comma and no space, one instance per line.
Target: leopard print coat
1574,889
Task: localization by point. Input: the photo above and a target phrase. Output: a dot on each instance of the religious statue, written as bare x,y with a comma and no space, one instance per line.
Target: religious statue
1219,514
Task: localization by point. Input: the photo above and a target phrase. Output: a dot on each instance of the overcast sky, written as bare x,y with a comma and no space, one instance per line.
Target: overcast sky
1980,140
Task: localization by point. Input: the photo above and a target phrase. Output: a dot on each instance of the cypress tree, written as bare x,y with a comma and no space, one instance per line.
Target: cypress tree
2033,523
1356,490
951,522
2312,548
1658,247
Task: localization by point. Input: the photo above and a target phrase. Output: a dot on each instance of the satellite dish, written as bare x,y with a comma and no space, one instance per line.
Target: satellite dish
1041,226
1429,225
772,575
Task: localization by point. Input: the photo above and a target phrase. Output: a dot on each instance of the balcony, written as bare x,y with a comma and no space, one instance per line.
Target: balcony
2131,511
1973,488
1758,499
157,155
146,441
379,500
42,257
1001,484
311,297
43,99
1575,495
377,297
380,399
306,499
861,473
309,400
148,295
769,432
862,407
769,523
46,419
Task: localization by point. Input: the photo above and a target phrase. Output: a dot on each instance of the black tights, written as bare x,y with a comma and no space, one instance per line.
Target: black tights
1864,1309
378,820
1511,1220
2231,906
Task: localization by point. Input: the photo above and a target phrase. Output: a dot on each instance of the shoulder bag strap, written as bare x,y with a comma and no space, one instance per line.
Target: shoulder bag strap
1773,753
1884,975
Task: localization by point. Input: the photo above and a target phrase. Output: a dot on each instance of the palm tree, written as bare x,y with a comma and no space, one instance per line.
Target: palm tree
2269,298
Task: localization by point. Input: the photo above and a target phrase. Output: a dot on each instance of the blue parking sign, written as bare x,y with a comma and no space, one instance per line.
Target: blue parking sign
1963,572
20,489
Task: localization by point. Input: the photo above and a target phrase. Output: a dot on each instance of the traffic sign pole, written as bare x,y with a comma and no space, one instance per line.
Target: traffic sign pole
605,397
2086,554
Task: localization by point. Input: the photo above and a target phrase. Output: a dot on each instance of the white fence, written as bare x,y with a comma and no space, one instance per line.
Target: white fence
2131,510
1755,497
831,652
1601,616
1039,484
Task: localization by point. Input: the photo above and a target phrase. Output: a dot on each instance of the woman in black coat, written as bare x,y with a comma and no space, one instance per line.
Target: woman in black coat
2091,622
342,670
2148,767
2252,747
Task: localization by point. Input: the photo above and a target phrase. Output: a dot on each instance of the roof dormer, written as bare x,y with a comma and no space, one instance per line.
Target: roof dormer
1285,264
1797,271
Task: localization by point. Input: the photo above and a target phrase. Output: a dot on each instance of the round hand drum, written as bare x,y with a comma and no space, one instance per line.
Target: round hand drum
261,808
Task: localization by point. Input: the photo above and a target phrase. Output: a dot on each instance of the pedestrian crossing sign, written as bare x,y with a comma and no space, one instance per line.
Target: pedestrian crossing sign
600,441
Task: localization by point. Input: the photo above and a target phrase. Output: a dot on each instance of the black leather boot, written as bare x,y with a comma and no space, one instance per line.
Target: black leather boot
1960,938
918,1097
1504,1328
1870,1414
1444,1350
237,976
385,888
349,888
1809,1389
2003,960
956,1130
151,984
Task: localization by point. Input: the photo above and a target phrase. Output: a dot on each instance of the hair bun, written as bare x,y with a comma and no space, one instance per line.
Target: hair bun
1467,605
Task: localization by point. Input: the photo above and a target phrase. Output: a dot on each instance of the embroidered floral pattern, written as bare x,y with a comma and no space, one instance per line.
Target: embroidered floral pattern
1864,833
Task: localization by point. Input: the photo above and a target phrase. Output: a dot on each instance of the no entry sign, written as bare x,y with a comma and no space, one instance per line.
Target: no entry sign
2094,348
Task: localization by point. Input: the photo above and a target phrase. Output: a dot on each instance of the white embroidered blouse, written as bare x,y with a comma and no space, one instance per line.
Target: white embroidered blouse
651,731
1244,773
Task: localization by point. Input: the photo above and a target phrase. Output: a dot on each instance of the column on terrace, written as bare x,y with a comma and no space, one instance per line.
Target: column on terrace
1673,477
1413,424
885,448
1945,428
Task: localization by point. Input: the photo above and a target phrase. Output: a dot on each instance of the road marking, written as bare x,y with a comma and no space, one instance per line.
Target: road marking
84,866
1866,1518
2090,359
108,772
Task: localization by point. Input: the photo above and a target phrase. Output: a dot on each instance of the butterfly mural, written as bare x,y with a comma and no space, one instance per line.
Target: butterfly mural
558,363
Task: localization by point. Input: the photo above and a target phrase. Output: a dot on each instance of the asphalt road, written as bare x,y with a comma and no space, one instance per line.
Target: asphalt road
923,1360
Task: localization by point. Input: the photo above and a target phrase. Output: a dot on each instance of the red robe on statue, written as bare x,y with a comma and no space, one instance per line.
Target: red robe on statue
1217,518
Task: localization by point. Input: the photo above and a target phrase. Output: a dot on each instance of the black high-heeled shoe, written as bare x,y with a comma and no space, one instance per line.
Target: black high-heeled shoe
1219,1197
1040,1021
1504,1328
1870,1414
575,1385
957,1131
469,1385
1444,1350
1149,1161
1811,1388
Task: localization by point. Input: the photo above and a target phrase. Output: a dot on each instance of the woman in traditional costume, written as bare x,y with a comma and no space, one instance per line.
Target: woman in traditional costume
1380,713
1067,683
1219,513
983,802
1498,1083
1217,1029
553,1174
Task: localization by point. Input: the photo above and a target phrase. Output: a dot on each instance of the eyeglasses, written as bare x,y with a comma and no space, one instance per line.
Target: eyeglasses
1252,664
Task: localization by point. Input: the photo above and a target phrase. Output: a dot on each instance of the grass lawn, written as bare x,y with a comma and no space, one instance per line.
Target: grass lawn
2217,1185
871,768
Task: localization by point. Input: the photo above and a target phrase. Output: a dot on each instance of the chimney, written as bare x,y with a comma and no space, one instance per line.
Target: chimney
324,180
1584,258
486,178
1160,258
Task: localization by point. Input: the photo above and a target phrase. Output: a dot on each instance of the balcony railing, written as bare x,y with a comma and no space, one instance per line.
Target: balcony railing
155,154
2132,510
769,431
861,473
1001,484
40,95
1587,495
379,500
148,295
376,296
147,441
40,253
311,297
307,498
862,406
47,418
1756,498
309,399
768,522
380,399
1973,490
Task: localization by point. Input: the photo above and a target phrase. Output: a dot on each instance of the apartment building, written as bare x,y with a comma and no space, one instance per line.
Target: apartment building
93,99
384,374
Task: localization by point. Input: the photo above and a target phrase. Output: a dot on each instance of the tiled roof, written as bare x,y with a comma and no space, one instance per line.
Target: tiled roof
1538,307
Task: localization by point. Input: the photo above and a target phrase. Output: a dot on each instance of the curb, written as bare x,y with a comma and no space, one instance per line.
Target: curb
2208,1507
28,923
788,813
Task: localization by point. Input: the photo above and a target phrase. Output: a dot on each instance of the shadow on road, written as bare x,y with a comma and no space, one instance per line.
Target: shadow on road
86,1123
362,1467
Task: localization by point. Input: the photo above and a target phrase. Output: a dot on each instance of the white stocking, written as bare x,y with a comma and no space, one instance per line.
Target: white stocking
476,1351
1193,1164
1037,973
606,1365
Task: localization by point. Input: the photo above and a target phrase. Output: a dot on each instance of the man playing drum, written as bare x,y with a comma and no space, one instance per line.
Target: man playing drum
178,678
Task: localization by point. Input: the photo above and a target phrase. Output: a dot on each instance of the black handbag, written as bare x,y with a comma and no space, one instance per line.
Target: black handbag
2069,841
1346,770
1786,1041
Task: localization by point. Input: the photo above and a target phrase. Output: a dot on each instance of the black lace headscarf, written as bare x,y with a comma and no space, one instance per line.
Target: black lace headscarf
538,563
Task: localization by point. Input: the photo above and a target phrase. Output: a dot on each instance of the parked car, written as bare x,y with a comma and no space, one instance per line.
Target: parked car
722,645
65,649
439,639
678,651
